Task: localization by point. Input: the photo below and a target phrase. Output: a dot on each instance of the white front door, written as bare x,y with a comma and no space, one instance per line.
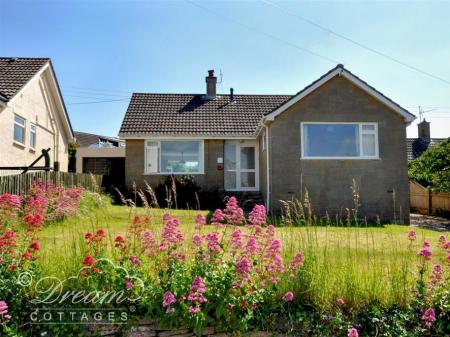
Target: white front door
241,166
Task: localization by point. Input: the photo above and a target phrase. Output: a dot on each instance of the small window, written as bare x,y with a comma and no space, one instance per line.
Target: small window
339,140
19,129
33,136
174,157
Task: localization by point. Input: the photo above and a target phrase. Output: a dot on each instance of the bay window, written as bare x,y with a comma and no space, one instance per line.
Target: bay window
339,140
174,157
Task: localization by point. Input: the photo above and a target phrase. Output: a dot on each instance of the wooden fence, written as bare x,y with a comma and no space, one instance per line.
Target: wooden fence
424,201
20,184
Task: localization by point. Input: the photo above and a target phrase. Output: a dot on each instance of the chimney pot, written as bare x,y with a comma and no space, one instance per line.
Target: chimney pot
424,130
211,82
231,95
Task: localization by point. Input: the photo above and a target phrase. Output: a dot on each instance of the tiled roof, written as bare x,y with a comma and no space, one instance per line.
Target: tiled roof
417,146
16,72
86,139
193,115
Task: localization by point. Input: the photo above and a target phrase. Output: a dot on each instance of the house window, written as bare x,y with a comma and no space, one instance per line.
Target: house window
339,140
19,129
33,136
174,157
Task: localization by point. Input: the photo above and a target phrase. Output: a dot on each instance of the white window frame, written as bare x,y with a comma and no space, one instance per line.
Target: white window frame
33,131
361,132
24,126
201,163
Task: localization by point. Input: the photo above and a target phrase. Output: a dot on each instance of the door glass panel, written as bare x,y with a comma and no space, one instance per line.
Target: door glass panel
248,179
230,157
230,180
248,158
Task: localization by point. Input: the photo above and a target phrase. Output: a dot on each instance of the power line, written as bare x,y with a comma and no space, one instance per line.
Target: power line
94,89
276,38
84,96
359,44
95,102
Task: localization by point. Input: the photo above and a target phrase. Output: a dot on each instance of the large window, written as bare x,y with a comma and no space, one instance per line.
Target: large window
19,129
339,140
174,156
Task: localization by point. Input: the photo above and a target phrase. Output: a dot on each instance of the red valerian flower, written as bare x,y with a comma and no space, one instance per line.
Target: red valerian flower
352,333
288,297
89,261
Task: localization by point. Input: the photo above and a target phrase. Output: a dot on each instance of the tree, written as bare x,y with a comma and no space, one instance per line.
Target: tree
432,168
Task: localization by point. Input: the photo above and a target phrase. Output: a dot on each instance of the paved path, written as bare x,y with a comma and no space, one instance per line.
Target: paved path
431,222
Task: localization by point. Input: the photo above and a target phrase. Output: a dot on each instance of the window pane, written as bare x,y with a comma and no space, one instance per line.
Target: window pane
331,140
230,156
19,133
33,139
368,145
248,179
368,127
180,157
248,158
230,180
19,120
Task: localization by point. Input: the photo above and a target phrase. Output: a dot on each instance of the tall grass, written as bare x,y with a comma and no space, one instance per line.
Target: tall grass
344,258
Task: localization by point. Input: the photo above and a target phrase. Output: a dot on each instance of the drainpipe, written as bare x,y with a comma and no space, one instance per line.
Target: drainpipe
268,192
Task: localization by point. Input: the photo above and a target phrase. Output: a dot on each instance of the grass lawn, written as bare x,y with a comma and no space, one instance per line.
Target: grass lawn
368,264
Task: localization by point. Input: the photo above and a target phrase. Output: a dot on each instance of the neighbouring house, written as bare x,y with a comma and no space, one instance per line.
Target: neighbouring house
32,113
101,155
417,146
336,130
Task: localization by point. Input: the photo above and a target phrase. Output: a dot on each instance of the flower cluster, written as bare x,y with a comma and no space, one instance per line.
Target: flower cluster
4,315
196,296
425,252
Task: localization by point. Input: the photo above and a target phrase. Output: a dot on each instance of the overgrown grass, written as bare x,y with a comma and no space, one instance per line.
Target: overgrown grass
364,265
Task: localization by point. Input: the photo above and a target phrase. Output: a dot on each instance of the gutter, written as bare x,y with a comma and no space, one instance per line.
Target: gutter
264,124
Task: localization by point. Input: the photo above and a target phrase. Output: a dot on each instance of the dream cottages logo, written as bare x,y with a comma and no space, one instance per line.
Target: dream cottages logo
80,299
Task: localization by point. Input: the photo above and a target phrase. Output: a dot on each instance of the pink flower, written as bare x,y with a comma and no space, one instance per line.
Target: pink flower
426,253
171,235
200,221
35,246
429,316
442,239
426,244
197,240
218,218
236,240
340,301
197,290
134,260
89,261
436,275
194,309
4,310
296,262
243,267
168,299
233,214
288,297
411,235
252,246
213,242
352,333
148,243
129,284
198,285
257,216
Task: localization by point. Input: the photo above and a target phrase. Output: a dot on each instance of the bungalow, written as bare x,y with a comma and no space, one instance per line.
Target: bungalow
32,113
336,130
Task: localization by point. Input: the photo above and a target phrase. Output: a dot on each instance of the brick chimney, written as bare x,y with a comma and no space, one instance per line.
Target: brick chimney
424,130
211,82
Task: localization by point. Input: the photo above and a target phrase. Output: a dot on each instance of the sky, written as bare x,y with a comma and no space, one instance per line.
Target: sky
102,51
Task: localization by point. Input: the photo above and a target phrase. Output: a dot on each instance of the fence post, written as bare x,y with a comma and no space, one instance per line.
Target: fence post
430,202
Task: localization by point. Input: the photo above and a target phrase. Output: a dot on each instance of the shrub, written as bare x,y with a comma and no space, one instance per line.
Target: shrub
432,168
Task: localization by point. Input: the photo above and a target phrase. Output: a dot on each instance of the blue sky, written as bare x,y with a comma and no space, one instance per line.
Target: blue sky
104,50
